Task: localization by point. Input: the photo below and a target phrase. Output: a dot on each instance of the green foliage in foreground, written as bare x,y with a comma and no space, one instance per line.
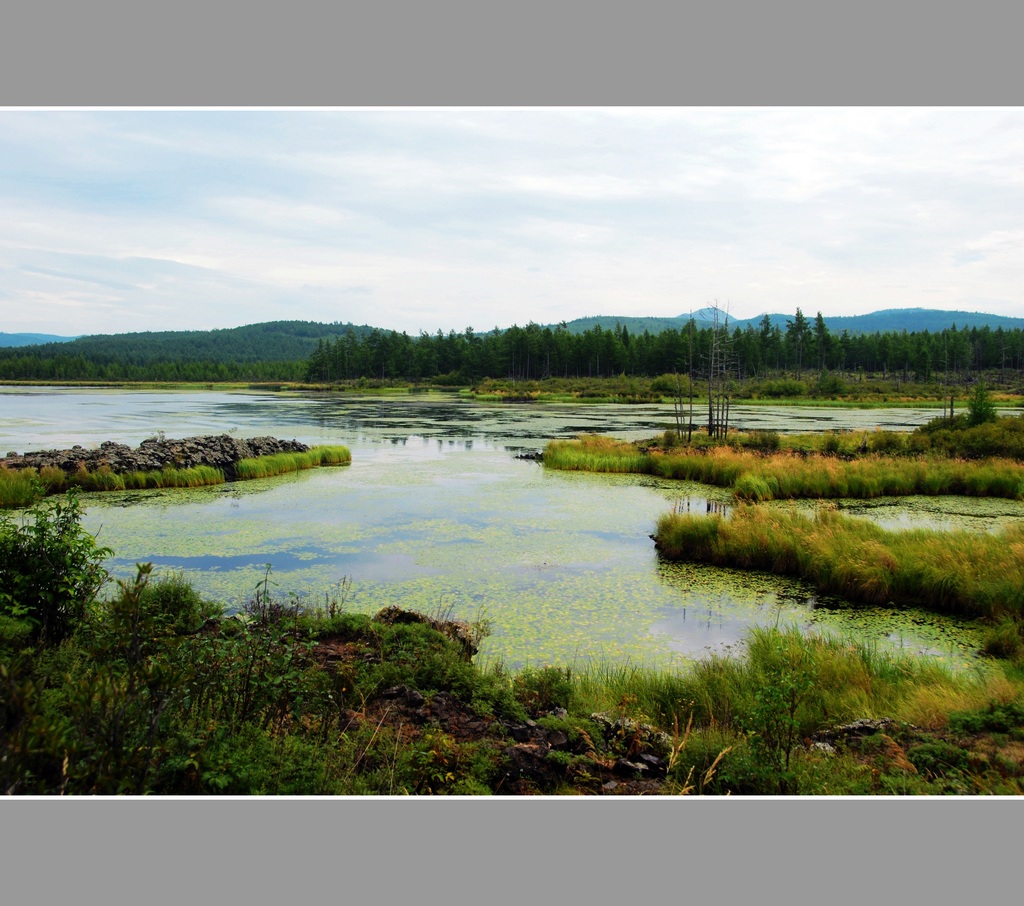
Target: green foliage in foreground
50,569
23,487
153,690
976,575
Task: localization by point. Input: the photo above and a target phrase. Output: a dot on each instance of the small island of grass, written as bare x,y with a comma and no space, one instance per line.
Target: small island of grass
157,463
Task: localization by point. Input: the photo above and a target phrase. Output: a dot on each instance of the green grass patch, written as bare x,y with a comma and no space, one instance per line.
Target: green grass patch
949,572
281,463
794,473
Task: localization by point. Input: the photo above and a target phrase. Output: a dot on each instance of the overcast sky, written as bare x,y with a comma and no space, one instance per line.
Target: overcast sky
419,219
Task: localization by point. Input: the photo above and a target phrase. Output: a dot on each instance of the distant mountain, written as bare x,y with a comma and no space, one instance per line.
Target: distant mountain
291,341
271,341
913,320
30,339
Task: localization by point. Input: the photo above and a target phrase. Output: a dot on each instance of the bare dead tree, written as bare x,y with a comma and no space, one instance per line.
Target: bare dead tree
719,361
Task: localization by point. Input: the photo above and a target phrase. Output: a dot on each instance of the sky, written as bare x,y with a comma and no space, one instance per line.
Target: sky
426,219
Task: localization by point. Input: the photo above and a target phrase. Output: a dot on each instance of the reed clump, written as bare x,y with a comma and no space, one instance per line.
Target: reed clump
796,474
949,572
595,453
20,487
281,463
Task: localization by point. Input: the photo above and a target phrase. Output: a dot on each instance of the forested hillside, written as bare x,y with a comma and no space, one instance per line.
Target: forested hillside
328,353
804,346
275,350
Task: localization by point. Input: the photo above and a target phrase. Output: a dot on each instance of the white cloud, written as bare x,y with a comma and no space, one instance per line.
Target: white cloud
426,219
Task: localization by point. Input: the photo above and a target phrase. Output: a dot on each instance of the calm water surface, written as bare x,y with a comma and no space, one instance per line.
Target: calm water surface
437,513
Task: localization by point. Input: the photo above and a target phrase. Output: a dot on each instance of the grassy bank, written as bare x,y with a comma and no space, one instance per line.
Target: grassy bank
149,689
23,487
950,572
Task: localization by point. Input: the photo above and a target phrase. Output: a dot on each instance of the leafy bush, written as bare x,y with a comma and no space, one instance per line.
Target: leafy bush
830,385
784,387
1003,437
50,568
178,602
665,383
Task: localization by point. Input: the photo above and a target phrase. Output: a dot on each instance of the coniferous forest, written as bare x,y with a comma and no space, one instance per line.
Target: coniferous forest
295,351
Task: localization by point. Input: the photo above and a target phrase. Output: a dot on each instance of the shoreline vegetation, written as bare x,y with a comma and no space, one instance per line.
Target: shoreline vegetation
960,573
149,689
863,391
973,454
21,487
146,688
793,474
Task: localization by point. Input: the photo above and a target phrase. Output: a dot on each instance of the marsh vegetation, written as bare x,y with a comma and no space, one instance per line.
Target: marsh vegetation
161,683
151,689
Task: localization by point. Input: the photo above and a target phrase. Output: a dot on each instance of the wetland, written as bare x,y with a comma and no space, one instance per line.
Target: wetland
437,512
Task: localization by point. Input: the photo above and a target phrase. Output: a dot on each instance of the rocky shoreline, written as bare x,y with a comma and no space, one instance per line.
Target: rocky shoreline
222,451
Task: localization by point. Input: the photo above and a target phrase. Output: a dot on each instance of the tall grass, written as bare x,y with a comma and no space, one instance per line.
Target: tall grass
949,572
791,475
23,487
19,487
593,453
280,463
839,680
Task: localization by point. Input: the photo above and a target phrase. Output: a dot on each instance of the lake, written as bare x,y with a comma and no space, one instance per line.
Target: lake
437,513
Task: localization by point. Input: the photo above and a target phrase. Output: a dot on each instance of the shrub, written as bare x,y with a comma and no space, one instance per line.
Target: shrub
830,385
886,442
996,718
980,408
50,568
784,387
831,444
764,441
937,759
175,599
543,689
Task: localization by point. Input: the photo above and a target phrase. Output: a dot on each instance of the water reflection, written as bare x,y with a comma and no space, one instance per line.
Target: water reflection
700,505
41,417
436,510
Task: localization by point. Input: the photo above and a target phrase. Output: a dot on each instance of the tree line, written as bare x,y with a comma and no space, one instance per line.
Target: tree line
709,349
704,351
